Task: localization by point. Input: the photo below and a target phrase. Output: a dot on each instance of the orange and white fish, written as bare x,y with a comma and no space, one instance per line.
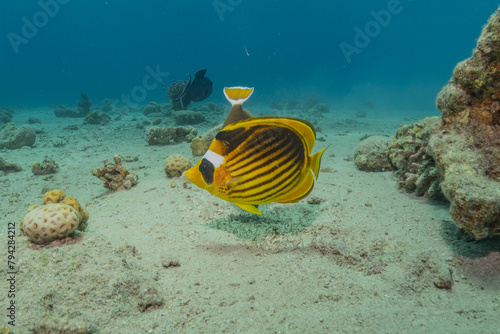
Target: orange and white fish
259,160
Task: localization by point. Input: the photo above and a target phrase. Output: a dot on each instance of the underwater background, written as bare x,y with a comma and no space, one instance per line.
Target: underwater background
286,49
379,245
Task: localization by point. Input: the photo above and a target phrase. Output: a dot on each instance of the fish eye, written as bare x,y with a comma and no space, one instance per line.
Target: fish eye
207,170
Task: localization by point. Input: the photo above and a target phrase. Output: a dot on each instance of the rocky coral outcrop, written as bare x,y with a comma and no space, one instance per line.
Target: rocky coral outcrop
174,93
409,153
5,115
467,146
371,154
188,117
170,135
46,167
175,165
8,167
115,175
13,138
82,109
97,118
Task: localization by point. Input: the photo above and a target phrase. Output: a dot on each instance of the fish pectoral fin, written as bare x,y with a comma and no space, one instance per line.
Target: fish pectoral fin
249,208
302,191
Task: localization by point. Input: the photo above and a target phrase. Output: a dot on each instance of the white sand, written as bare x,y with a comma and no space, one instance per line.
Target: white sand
367,263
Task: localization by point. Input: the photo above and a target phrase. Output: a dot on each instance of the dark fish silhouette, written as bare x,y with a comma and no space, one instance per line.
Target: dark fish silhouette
196,90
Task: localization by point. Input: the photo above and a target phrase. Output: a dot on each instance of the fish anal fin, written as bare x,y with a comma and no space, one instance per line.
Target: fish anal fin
302,191
237,95
249,208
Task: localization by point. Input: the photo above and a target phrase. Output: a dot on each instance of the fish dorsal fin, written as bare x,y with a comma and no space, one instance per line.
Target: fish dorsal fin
200,74
237,95
235,115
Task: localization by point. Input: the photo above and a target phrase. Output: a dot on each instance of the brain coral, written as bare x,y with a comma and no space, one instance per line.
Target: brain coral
175,165
58,218
53,196
49,222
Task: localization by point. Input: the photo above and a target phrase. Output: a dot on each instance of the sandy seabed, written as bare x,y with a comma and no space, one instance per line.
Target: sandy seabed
160,258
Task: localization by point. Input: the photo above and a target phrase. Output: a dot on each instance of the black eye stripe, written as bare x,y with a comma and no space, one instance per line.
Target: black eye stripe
207,170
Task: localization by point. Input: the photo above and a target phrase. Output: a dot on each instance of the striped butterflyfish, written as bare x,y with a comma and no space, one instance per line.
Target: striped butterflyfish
258,160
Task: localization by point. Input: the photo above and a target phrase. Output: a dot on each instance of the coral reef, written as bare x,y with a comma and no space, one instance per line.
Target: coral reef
8,167
84,105
97,118
175,165
174,93
151,108
213,108
63,111
371,154
467,146
58,218
199,146
188,117
170,135
82,109
53,196
13,138
107,105
5,115
115,175
48,166
318,109
34,120
410,154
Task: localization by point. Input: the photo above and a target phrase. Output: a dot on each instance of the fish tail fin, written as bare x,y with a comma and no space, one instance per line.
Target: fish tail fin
315,162
237,95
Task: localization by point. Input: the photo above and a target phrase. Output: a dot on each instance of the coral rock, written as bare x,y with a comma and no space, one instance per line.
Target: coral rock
199,146
58,218
175,165
13,138
115,175
84,105
8,167
174,93
410,154
371,154
50,222
188,117
5,115
48,166
467,146
97,118
54,196
151,108
170,135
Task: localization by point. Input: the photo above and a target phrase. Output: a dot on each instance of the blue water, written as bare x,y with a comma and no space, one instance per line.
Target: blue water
53,50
